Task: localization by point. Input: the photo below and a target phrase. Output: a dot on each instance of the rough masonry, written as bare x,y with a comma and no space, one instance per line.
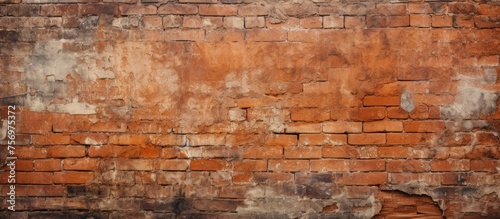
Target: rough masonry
251,109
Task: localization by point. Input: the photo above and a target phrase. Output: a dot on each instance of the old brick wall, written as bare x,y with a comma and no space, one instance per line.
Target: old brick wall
252,109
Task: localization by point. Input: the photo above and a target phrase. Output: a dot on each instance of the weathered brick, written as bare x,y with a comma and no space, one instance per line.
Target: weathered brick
37,178
254,22
450,165
263,152
323,139
288,165
66,151
178,9
368,113
333,21
73,177
408,138
252,10
233,22
424,126
342,127
47,165
137,9
272,177
311,22
250,165
329,165
303,128
391,9
303,152
484,165
394,152
184,35
416,166
172,164
367,165
266,35
218,10
376,178
204,164
80,164
420,20
383,126
441,21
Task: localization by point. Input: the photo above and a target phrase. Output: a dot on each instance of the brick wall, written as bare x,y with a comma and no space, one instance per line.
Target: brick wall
251,109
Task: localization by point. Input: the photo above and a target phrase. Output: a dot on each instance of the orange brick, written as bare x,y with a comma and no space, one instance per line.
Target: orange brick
381,101
303,128
408,138
340,152
366,139
204,164
484,166
47,165
398,21
309,115
33,178
178,9
21,165
137,9
225,36
288,165
172,164
365,178
152,22
253,10
80,164
323,139
134,164
267,35
66,151
391,9
281,140
184,35
31,153
367,165
383,126
342,127
368,113
206,139
355,22
333,21
263,152
127,139
420,20
250,165
73,177
424,126
218,10
450,165
303,152
242,178
420,8
53,139
442,21
394,152
114,151
311,22
396,113
168,140
89,139
329,165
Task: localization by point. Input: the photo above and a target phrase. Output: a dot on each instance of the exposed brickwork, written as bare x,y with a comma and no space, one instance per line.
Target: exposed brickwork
251,109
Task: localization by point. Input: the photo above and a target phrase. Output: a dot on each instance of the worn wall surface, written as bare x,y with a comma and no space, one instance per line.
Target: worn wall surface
252,109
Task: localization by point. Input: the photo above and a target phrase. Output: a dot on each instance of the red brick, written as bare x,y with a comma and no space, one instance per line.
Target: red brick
416,166
396,113
340,152
89,139
450,165
80,164
311,22
484,166
263,152
31,153
367,165
114,151
366,139
21,165
442,21
323,139
488,60
213,165
383,126
398,21
394,152
420,8
47,165
381,101
288,165
39,190
420,20
303,152
365,178
303,128
39,123
73,177
368,113
169,153
66,151
98,9
206,139
268,35
250,165
462,8
421,178
108,127
342,127
38,178
281,140
172,164
408,138
487,21
168,140
329,165
59,10
489,9
424,126
218,10
178,9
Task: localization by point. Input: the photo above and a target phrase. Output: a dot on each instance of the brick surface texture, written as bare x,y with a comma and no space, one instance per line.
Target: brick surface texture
251,109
